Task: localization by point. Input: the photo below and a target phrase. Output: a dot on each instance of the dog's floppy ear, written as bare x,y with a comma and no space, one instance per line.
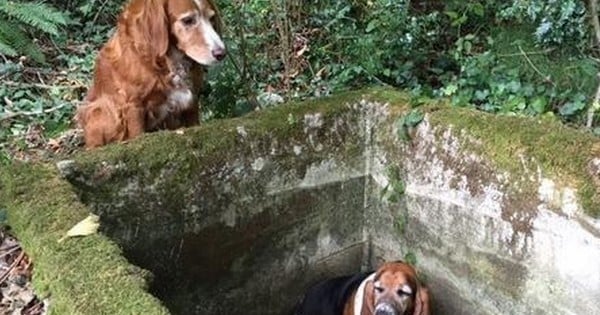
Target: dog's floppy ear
217,21
422,300
147,25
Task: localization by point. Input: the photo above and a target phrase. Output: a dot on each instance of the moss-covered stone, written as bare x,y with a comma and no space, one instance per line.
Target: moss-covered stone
510,141
80,275
223,204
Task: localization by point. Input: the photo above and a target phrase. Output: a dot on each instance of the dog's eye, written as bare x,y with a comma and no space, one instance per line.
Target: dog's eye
379,289
189,21
402,293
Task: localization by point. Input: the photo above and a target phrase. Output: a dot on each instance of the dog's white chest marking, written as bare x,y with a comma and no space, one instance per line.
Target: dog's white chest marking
179,100
180,97
359,297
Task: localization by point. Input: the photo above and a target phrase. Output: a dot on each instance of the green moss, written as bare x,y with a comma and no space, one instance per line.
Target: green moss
562,152
210,143
81,275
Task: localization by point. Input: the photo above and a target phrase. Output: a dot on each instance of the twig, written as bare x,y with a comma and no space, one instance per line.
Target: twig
545,77
40,78
45,111
41,85
10,251
34,309
594,19
596,24
99,11
12,266
539,52
592,109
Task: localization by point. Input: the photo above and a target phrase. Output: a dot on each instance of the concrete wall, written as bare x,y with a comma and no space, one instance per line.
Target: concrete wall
248,230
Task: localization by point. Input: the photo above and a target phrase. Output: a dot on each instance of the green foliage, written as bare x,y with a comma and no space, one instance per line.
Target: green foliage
558,22
17,18
395,188
513,76
411,258
408,121
523,57
433,49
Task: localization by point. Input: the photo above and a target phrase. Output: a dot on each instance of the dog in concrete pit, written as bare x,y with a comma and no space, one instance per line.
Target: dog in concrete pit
393,289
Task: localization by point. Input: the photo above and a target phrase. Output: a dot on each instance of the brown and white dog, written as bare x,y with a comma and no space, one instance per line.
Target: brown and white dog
148,76
392,290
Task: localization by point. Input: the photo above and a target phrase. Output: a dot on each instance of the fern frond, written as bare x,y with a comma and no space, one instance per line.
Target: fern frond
38,15
7,50
5,47
15,38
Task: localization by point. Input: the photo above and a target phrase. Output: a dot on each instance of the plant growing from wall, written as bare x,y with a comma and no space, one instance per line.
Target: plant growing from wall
395,188
407,122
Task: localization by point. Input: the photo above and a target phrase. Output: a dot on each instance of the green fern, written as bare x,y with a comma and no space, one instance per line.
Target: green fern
18,18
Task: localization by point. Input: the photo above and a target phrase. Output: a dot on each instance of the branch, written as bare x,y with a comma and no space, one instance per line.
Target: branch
596,24
41,85
594,19
11,115
592,109
546,78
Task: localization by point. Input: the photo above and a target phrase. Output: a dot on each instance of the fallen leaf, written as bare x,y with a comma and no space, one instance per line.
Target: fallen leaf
87,226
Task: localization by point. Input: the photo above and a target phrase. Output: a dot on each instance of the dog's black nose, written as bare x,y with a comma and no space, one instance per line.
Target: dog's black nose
385,309
219,53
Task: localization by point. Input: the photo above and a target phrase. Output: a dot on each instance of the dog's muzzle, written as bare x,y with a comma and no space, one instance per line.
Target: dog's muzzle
385,309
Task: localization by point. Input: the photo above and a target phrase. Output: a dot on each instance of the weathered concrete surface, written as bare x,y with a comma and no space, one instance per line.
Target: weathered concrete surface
511,240
238,217
216,226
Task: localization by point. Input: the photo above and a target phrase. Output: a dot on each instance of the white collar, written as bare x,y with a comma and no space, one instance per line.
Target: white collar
360,294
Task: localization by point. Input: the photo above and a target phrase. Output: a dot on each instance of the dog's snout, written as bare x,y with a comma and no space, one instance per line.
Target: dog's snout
385,309
219,53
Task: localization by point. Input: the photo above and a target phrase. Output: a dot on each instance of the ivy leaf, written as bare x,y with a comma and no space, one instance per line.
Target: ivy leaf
571,108
450,89
371,26
451,14
413,118
478,9
539,105
410,258
481,95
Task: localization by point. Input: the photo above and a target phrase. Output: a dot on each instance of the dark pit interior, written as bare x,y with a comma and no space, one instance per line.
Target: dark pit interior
260,259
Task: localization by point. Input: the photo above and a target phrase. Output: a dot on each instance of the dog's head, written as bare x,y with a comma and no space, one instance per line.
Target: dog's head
396,290
191,25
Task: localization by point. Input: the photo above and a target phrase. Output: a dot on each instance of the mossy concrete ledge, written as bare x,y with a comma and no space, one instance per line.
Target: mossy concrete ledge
80,276
240,216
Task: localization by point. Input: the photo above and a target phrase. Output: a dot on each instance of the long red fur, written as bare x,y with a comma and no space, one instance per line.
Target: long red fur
133,78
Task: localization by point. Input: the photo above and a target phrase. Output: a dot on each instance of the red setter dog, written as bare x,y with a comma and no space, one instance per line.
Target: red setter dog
149,74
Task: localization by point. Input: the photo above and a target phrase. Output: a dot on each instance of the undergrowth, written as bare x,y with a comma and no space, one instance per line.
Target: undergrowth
509,57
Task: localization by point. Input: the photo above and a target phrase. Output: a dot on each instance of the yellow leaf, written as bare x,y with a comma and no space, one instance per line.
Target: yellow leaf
85,227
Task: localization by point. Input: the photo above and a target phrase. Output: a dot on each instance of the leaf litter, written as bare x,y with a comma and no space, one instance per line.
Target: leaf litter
17,296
